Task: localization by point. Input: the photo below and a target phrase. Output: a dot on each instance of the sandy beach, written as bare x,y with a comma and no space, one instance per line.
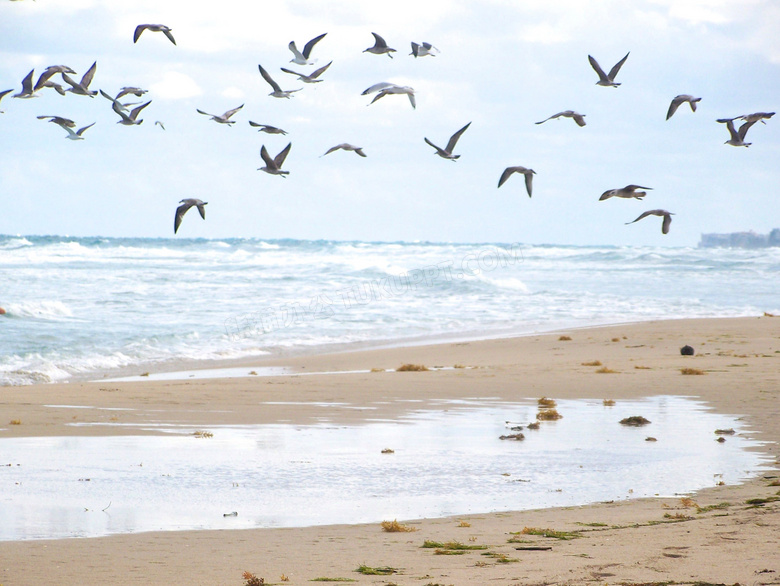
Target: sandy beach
719,535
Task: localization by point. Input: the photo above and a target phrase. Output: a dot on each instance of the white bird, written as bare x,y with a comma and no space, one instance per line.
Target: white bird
274,166
266,128
446,153
278,92
385,88
3,94
666,215
27,88
76,135
607,80
577,117
380,47
132,118
49,72
627,192
681,99
423,50
303,58
82,87
312,77
224,118
186,204
59,120
347,147
737,137
529,177
157,28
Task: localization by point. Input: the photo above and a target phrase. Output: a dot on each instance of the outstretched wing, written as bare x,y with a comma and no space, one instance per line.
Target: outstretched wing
529,183
138,30
744,128
674,105
269,162
229,113
379,42
667,222
310,45
87,79
454,138
614,71
279,159
268,78
167,33
597,68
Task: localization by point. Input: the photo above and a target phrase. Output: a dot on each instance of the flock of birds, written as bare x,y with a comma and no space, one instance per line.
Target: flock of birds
273,165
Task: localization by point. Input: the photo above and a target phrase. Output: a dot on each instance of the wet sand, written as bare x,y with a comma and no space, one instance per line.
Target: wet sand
715,536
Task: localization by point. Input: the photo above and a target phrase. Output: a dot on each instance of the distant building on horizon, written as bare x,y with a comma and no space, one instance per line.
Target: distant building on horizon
741,240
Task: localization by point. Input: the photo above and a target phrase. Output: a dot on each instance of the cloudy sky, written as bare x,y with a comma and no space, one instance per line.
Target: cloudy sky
503,65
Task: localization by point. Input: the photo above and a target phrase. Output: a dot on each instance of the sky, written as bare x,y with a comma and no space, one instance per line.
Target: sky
503,65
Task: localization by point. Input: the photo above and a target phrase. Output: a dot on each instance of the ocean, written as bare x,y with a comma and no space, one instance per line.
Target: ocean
82,308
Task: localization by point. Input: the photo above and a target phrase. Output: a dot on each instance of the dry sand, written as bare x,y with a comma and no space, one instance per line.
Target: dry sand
714,537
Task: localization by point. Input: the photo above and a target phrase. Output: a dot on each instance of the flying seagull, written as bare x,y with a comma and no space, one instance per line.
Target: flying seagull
446,153
136,91
27,88
224,118
278,92
186,204
132,118
266,128
757,117
347,147
160,124
380,47
666,215
677,101
312,77
157,28
529,177
59,120
385,88
116,104
423,50
737,138
76,135
2,94
49,72
577,117
82,87
303,58
607,80
274,166
628,192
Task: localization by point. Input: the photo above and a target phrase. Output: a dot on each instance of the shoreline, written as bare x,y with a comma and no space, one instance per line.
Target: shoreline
723,540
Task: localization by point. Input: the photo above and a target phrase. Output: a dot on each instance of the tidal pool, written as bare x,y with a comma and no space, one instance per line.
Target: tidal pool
444,462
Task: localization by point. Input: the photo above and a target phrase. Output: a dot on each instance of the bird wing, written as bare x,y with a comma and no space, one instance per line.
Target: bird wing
331,149
633,187
293,72
45,76
87,79
5,93
595,65
729,122
379,41
529,183
667,222
279,159
317,72
167,33
415,49
433,145
73,83
412,99
744,128
614,71
506,175
268,78
381,94
376,87
27,85
673,106
579,118
269,162
454,138
548,118
201,208
204,113
229,113
643,215
81,130
138,30
296,53
359,151
310,45
116,107
180,211
134,112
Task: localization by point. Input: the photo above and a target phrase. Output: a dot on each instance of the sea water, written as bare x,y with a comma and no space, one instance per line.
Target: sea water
84,307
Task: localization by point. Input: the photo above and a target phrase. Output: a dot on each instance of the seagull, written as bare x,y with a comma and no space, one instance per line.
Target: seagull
274,166
423,50
50,84
347,147
59,120
380,46
130,120
76,135
737,138
224,119
312,77
266,128
186,204
3,94
51,71
303,58
529,177
384,88
278,92
158,28
578,118
607,80
666,215
82,87
757,117
628,192
136,91
160,124
27,88
679,100
446,153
